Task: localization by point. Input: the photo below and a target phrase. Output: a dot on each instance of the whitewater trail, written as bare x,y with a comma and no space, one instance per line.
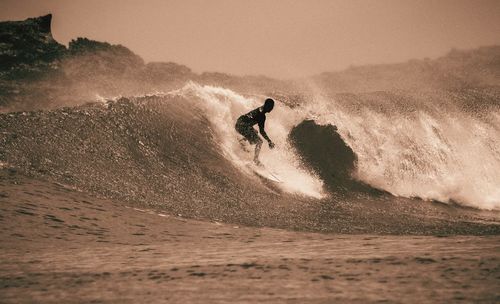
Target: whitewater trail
222,107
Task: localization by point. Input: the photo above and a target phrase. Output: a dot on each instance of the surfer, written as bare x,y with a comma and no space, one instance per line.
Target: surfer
245,123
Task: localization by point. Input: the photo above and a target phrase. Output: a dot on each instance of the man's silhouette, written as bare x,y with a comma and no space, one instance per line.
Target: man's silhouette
245,123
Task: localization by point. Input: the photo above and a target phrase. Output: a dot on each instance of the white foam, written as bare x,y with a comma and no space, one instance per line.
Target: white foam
434,153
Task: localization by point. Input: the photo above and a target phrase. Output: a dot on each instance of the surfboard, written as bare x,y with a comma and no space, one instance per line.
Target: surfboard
264,172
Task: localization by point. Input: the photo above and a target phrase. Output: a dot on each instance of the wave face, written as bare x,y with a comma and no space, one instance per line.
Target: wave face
160,151
435,146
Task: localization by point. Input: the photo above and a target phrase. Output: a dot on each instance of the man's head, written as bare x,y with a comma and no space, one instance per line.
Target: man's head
268,105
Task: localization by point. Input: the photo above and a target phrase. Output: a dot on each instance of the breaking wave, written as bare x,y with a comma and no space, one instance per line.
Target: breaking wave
345,166
436,146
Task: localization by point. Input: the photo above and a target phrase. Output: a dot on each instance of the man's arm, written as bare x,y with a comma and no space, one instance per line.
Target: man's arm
262,131
264,134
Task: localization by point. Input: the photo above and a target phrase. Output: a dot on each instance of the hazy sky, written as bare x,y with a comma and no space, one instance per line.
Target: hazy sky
272,37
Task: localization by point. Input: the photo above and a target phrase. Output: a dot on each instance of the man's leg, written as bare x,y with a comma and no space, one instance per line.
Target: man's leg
258,145
246,131
243,145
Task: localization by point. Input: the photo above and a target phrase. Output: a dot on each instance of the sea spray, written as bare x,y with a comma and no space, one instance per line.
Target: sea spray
423,146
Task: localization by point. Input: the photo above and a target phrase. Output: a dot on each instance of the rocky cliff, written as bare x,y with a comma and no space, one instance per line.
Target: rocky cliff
27,47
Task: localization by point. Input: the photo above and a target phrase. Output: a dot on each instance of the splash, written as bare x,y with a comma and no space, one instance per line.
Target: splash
416,147
223,106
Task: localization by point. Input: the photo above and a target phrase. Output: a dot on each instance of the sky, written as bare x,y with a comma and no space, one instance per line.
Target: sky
276,38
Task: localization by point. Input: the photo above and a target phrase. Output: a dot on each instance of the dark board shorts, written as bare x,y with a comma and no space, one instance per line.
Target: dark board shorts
247,131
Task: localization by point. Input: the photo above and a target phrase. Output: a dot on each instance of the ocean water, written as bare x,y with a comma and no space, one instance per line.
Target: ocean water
372,163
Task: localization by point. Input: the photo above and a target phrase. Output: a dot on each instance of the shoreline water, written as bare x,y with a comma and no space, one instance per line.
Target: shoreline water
61,245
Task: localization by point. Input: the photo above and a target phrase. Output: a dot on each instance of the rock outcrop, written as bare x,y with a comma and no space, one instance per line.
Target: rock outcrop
27,47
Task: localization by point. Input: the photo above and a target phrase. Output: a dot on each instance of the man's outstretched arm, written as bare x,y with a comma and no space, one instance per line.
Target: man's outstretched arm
264,134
